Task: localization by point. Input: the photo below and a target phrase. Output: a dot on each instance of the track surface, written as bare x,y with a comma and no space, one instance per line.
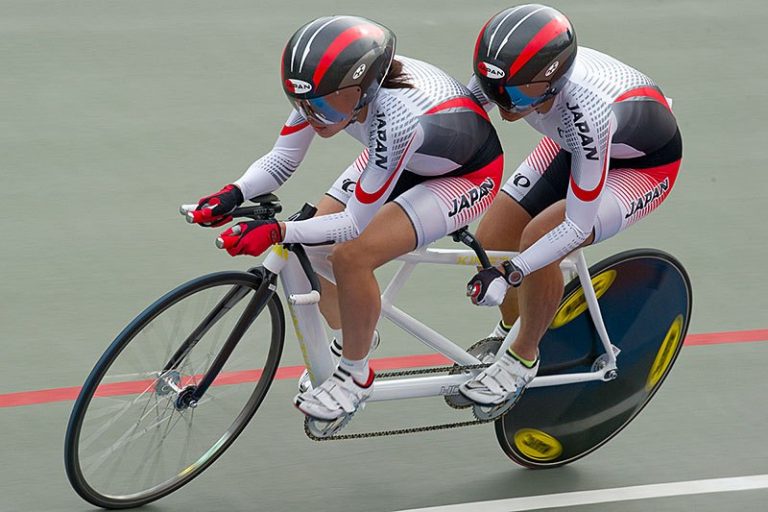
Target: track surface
113,113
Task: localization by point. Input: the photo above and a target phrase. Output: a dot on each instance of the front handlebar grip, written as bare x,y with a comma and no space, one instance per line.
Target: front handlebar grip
187,210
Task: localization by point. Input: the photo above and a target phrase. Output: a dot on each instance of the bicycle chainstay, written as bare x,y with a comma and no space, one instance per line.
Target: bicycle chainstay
410,430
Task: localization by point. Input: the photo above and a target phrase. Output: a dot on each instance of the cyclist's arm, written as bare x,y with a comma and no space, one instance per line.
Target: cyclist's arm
269,172
389,150
589,168
477,92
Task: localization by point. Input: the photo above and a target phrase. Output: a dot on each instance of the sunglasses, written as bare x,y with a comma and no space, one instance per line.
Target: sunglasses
519,98
330,109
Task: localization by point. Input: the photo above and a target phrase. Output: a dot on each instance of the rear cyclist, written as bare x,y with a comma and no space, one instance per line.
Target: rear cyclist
610,156
428,145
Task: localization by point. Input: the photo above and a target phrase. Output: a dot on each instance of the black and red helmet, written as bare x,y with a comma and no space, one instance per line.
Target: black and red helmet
331,54
523,55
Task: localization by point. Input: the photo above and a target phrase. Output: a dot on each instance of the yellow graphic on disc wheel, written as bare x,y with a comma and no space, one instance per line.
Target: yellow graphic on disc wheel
665,353
576,303
537,445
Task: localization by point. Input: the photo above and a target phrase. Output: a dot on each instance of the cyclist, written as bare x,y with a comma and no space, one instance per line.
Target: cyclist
610,156
432,163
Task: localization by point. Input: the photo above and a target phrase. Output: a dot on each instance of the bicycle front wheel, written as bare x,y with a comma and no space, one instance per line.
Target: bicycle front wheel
130,440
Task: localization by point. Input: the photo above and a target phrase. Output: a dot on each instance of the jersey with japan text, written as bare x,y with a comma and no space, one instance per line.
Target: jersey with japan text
436,128
606,111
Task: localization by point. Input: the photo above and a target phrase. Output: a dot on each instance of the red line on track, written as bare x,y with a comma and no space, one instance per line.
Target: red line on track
44,396
727,337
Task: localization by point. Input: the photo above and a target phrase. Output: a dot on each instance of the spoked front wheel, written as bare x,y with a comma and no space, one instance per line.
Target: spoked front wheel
645,300
134,434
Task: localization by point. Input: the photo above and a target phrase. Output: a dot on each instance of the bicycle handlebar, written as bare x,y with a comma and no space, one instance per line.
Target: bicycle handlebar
267,206
464,236
303,299
257,211
313,297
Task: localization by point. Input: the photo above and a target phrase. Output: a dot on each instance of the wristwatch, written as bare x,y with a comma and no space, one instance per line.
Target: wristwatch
512,273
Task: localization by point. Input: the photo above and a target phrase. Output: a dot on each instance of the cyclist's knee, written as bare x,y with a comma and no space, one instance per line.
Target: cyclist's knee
501,227
328,205
349,255
499,236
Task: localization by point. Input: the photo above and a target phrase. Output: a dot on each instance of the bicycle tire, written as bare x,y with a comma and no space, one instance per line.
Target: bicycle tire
521,444
72,454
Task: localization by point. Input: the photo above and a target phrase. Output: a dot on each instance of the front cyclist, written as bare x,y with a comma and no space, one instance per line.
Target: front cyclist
432,163
610,156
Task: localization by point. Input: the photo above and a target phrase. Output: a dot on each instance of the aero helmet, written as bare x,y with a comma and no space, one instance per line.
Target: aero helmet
331,54
523,56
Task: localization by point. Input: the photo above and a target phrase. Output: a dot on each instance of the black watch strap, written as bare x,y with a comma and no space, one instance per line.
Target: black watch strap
512,273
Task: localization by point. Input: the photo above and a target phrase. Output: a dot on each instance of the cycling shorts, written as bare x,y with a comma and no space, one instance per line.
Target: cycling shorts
435,205
634,187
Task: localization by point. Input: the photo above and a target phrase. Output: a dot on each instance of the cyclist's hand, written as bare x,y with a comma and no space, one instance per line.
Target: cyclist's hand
487,288
252,238
214,210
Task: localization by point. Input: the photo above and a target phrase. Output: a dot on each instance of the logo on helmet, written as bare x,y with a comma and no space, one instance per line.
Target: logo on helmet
297,86
358,72
490,71
551,69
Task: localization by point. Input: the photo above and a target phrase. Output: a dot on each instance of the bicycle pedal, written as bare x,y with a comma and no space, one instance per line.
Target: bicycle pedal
324,429
458,401
492,412
485,350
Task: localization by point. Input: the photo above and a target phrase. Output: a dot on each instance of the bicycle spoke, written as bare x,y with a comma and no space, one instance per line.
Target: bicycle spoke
85,443
140,443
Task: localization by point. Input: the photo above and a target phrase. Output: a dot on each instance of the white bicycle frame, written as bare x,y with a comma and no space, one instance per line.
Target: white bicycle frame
310,330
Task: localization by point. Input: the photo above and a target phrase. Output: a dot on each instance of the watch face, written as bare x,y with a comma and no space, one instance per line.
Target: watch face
514,274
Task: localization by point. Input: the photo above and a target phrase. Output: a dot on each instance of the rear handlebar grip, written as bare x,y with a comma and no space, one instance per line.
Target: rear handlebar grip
303,299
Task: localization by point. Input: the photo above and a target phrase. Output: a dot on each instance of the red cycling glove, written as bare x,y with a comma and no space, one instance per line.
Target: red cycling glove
252,238
214,210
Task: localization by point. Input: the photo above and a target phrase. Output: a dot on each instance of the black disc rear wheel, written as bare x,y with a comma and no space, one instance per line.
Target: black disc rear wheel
645,299
132,437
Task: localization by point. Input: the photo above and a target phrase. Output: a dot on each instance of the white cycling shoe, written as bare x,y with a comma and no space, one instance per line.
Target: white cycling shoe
305,383
338,397
498,387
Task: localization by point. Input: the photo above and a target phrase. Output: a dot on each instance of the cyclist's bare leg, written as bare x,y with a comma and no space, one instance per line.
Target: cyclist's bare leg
541,291
500,230
329,300
390,234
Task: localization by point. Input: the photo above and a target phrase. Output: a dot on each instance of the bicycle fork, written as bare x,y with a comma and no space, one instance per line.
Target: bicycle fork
191,395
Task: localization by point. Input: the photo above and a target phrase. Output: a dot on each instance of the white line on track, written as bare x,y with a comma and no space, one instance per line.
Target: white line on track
638,492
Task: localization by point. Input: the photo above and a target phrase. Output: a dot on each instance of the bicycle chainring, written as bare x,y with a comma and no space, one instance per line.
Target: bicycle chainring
485,350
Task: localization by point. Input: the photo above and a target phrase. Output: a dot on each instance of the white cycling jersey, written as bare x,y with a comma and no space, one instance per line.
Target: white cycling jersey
606,112
434,129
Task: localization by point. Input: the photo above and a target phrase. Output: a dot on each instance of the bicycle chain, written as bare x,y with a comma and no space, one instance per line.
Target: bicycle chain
408,430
